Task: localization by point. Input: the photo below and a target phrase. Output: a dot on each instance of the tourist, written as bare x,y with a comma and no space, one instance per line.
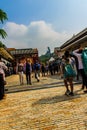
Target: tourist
3,68
43,70
68,73
78,54
21,73
28,70
47,69
37,68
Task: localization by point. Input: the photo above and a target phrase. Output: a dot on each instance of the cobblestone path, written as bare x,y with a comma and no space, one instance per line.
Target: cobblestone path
43,109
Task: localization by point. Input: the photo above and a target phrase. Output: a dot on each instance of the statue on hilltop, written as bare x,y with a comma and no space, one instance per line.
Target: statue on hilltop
48,53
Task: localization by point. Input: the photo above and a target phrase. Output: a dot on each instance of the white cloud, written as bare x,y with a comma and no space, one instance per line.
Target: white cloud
38,34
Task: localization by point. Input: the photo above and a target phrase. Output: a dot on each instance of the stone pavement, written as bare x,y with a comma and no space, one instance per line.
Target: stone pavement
42,109
13,84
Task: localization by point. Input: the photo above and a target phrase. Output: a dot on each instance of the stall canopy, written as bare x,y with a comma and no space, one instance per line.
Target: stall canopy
24,51
5,54
22,54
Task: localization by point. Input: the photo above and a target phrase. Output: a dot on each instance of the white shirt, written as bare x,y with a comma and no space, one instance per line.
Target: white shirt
78,55
2,68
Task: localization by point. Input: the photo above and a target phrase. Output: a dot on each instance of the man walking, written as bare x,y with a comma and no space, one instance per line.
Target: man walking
28,70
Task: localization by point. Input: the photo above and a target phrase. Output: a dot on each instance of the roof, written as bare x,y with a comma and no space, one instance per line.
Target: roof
24,51
5,54
76,38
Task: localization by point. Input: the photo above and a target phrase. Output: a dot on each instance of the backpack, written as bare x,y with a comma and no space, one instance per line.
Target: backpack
36,66
84,60
69,71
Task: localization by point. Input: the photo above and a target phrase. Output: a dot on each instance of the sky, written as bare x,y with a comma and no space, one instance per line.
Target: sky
42,23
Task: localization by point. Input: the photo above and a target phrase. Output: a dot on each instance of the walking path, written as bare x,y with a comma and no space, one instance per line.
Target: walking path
42,109
13,84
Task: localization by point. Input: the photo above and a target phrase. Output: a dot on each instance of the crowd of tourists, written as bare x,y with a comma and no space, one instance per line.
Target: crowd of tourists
71,65
38,69
74,64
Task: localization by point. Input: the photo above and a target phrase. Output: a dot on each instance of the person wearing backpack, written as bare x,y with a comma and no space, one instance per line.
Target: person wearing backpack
78,54
68,74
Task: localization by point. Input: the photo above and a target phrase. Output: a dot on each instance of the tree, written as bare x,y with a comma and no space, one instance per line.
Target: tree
3,17
2,45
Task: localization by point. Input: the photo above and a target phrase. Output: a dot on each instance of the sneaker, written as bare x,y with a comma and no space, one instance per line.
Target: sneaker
82,87
6,89
38,80
71,94
67,92
4,97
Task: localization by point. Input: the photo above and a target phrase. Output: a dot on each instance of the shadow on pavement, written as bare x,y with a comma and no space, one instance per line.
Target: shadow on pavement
55,99
16,88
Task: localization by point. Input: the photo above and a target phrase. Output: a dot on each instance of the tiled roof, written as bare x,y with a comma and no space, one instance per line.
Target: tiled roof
75,38
24,51
5,54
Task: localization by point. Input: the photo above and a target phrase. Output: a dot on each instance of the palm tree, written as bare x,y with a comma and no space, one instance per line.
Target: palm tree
3,17
2,45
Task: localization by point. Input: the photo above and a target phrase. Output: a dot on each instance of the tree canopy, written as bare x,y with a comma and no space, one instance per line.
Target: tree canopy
3,17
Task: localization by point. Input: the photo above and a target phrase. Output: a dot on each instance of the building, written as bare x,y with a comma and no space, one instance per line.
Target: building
6,55
23,54
75,41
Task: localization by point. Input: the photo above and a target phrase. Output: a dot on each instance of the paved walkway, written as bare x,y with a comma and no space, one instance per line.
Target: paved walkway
42,109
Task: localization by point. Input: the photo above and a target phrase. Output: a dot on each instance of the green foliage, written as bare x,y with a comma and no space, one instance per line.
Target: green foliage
3,33
3,17
2,45
43,58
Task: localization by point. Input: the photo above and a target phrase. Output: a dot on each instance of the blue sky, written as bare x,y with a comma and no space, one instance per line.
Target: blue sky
42,23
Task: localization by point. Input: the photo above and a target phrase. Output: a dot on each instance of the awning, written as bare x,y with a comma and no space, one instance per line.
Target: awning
24,51
5,54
